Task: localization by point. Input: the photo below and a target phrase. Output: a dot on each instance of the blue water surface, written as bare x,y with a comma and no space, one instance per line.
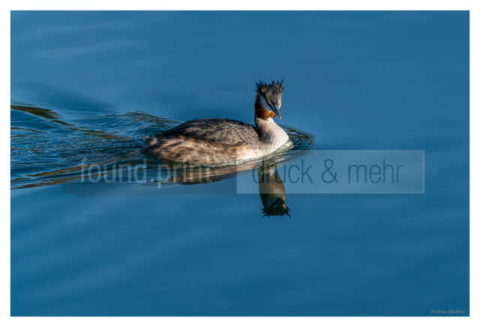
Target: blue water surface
94,84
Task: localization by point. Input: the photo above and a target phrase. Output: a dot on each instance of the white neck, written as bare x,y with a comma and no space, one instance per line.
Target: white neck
271,135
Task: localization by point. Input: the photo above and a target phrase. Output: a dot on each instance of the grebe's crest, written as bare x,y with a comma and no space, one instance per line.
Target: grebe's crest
277,208
274,86
271,94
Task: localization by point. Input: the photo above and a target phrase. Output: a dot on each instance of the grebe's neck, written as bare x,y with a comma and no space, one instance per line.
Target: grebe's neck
261,112
271,135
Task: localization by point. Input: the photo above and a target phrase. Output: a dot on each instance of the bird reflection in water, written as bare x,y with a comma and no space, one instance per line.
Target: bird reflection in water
272,191
270,185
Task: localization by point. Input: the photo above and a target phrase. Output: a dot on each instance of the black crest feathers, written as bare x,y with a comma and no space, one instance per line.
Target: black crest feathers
262,87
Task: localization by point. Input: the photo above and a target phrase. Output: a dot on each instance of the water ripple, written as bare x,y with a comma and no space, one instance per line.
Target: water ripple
49,149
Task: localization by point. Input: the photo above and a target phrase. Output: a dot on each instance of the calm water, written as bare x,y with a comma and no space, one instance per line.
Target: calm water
92,86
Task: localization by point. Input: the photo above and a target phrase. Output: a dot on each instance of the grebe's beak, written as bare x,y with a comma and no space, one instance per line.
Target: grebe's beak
276,110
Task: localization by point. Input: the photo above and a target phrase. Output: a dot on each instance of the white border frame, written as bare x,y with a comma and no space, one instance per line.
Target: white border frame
7,5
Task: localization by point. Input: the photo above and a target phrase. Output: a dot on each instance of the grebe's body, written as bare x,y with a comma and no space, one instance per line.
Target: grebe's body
212,142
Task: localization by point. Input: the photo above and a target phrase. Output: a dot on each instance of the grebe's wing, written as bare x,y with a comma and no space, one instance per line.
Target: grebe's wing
226,132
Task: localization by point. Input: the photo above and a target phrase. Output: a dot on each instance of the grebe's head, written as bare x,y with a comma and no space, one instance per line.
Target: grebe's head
277,208
271,95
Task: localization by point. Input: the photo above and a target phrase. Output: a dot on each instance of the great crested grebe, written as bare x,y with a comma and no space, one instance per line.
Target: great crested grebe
225,141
